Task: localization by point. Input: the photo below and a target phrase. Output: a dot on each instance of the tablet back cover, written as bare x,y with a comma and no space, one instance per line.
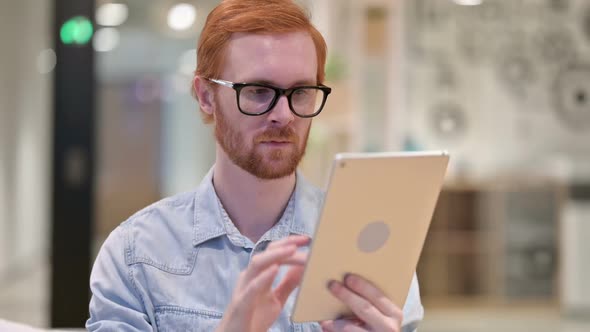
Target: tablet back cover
374,222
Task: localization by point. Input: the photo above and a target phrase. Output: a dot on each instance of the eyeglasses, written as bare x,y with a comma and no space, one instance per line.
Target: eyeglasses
257,98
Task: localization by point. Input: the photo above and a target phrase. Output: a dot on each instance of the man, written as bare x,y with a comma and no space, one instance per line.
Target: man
225,257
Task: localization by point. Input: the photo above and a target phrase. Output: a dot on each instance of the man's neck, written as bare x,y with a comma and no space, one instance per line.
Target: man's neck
254,205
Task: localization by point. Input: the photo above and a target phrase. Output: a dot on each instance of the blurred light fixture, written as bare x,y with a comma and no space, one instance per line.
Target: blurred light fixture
77,31
181,16
448,120
112,14
46,61
105,39
448,125
187,63
468,2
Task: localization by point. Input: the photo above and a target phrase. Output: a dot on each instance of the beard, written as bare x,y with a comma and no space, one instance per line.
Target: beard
266,164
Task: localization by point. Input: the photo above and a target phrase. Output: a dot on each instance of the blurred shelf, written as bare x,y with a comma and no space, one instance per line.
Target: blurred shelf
480,302
494,242
458,242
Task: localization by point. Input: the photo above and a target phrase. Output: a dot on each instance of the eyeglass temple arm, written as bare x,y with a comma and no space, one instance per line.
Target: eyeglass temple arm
222,82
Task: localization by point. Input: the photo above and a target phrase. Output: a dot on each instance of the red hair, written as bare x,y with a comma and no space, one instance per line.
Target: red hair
252,16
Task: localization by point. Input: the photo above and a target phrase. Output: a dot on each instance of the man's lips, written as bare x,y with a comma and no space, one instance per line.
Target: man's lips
276,143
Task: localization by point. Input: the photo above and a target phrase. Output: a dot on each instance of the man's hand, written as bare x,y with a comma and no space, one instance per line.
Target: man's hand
373,310
255,305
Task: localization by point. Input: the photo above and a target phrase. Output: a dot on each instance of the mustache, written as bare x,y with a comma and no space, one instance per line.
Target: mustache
283,134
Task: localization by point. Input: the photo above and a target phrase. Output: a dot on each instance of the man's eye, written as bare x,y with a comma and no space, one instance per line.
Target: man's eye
257,91
301,92
260,91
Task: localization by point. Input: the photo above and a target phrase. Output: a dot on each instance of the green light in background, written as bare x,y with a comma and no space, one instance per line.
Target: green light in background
77,30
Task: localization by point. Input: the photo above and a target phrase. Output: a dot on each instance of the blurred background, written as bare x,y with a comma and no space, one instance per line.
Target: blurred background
97,122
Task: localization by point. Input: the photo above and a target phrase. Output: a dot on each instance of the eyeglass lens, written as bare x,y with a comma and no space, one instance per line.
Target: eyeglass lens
303,101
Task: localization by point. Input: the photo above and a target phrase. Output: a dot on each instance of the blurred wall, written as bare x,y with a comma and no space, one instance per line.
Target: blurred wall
188,146
151,140
25,123
505,85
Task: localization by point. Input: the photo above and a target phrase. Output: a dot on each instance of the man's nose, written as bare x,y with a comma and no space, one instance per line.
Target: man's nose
281,114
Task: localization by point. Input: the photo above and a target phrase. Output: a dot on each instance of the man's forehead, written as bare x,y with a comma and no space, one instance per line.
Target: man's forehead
276,36
270,43
284,55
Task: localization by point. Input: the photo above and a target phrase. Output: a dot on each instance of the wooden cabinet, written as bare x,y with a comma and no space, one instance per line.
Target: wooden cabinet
493,242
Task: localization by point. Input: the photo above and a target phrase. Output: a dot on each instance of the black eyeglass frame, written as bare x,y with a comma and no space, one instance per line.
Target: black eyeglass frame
278,93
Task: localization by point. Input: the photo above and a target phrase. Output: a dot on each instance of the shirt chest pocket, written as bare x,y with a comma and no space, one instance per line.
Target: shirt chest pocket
173,318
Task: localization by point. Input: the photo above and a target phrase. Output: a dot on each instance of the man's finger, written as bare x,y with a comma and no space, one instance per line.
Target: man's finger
289,282
298,258
280,252
362,308
298,240
371,293
342,325
267,258
327,326
262,282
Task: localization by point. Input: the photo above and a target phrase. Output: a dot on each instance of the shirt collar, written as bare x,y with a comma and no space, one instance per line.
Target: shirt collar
308,205
211,220
207,220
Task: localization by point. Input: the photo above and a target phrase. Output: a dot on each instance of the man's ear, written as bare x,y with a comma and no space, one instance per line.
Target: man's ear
204,94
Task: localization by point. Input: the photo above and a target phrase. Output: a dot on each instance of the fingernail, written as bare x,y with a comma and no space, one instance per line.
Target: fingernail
330,284
347,279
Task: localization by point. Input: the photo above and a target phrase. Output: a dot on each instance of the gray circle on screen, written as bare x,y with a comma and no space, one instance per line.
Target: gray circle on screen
373,236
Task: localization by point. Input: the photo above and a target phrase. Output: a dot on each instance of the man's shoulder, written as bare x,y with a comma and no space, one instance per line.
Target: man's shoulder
161,233
166,205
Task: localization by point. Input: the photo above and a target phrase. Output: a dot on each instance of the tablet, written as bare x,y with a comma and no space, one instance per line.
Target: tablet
375,217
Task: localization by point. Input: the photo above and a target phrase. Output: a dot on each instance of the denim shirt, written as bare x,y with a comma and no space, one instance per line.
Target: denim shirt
173,266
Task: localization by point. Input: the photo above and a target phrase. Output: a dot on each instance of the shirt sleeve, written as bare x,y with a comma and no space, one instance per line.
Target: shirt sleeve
116,304
413,310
